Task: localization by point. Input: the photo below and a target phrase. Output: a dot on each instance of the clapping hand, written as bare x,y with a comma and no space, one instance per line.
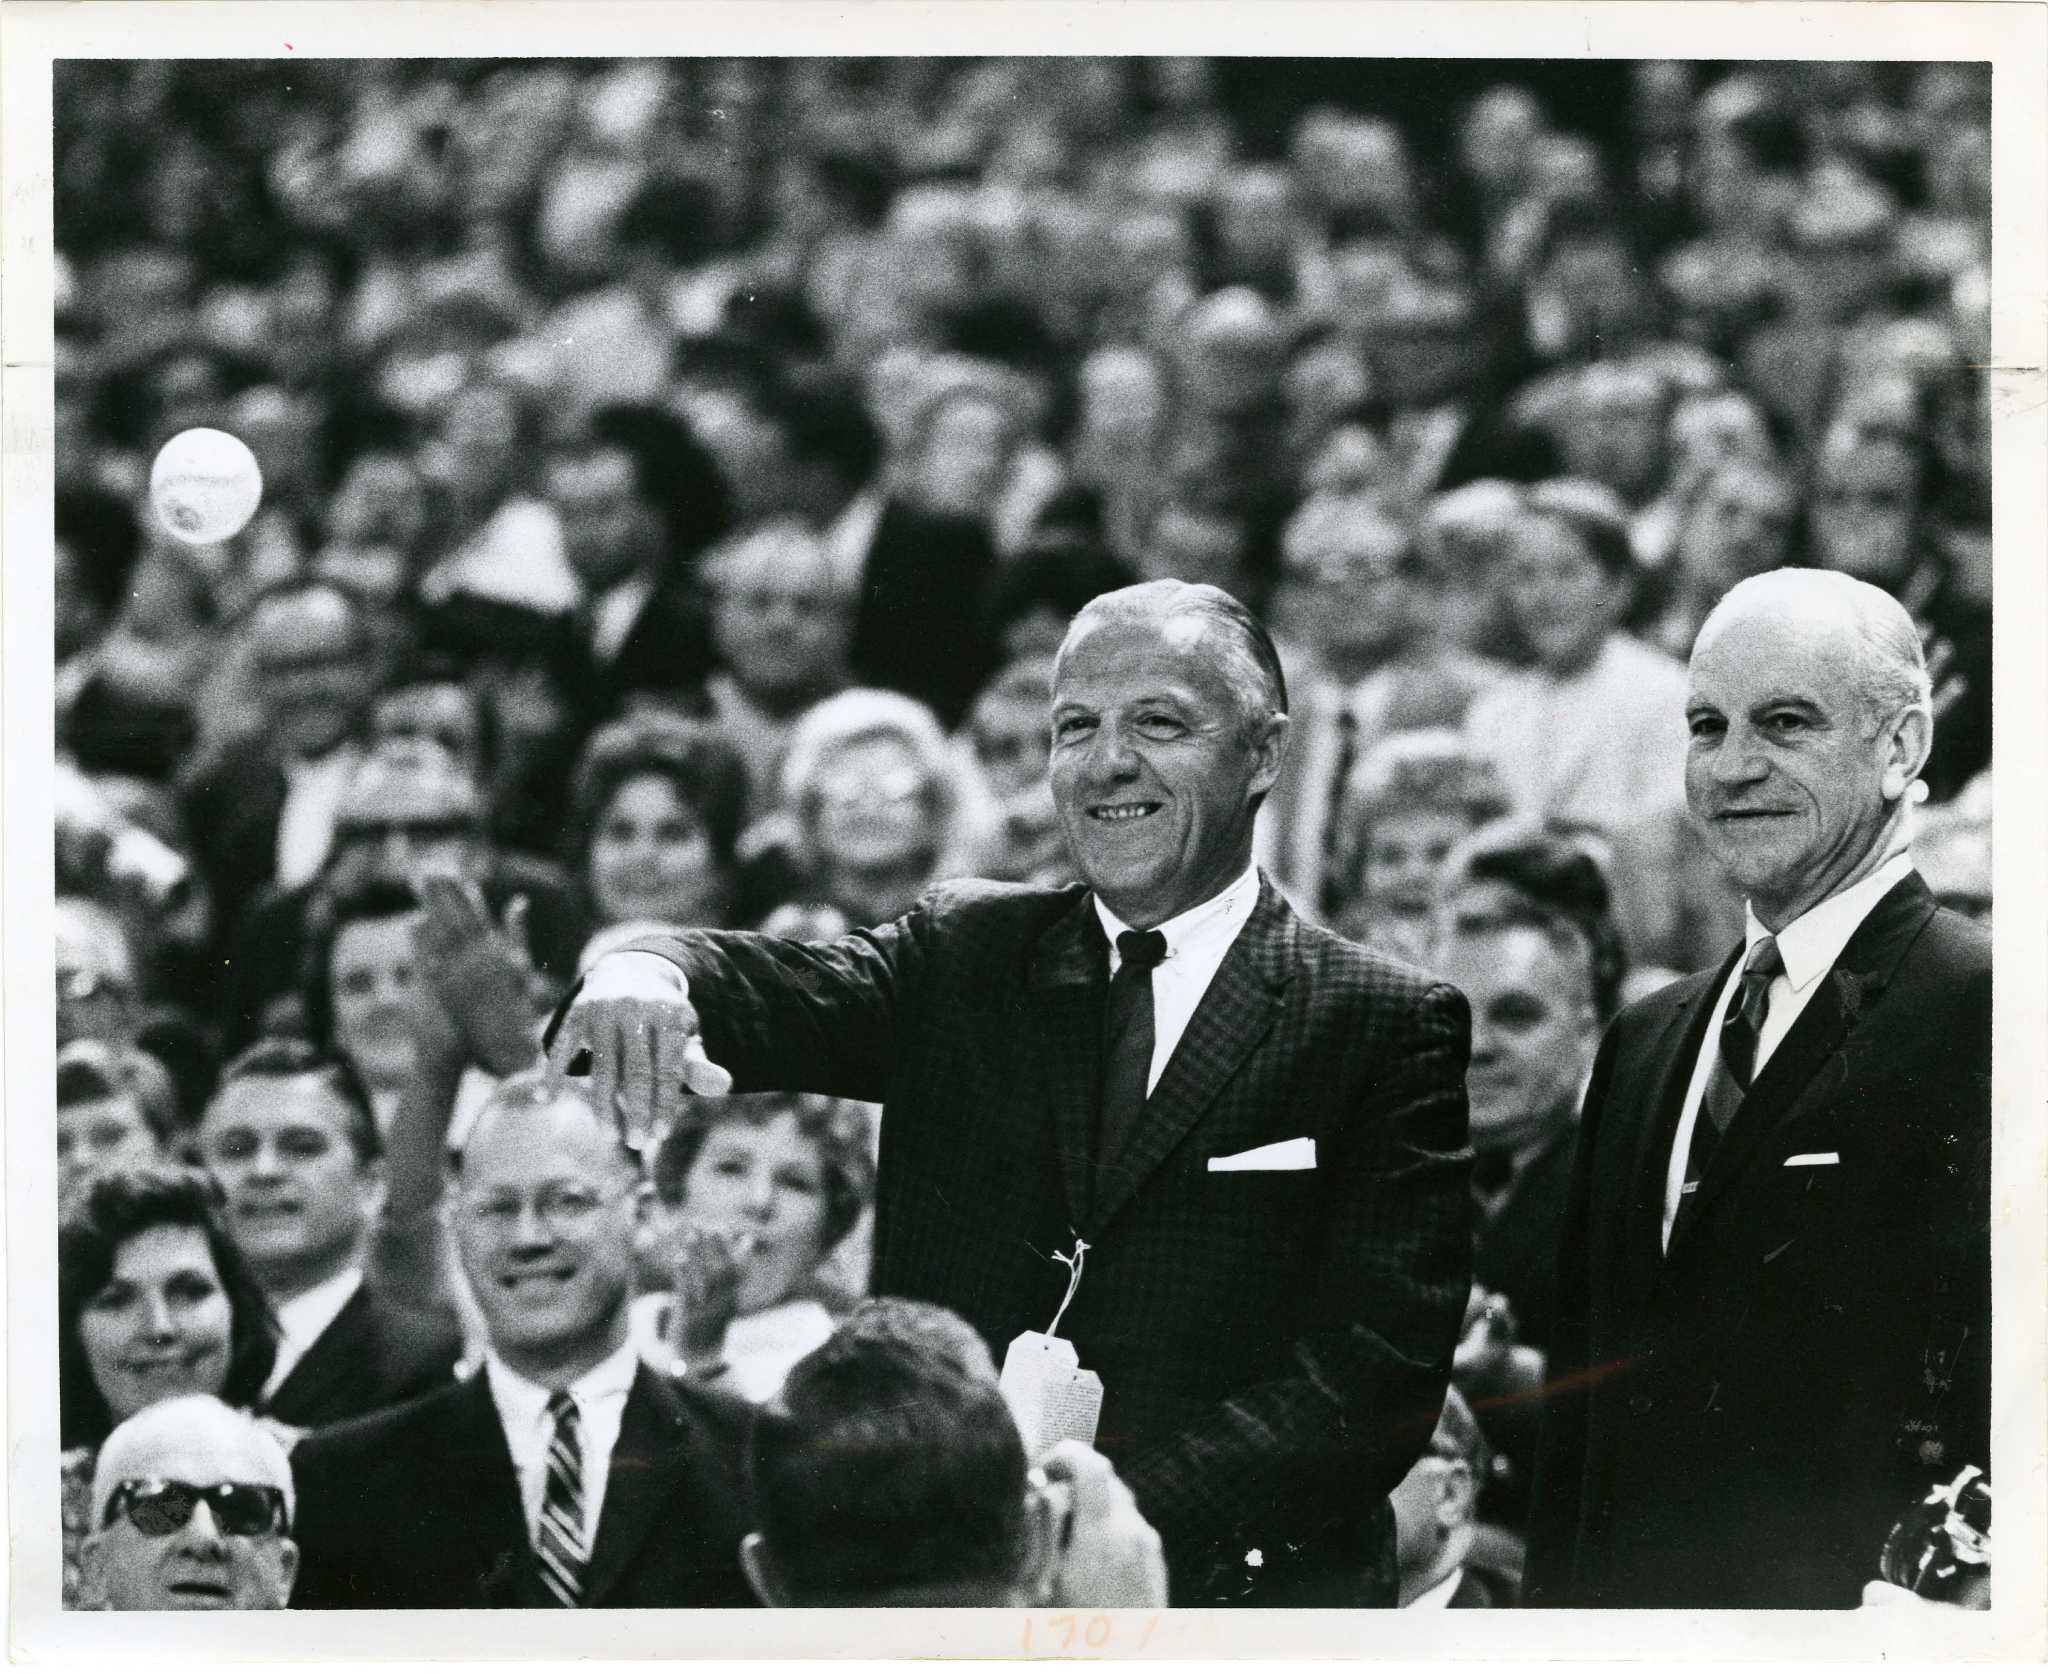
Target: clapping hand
1109,1557
478,974
706,1291
633,1031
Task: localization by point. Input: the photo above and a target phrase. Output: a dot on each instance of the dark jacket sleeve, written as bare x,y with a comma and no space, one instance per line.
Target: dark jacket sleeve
1353,1402
1555,1508
799,1017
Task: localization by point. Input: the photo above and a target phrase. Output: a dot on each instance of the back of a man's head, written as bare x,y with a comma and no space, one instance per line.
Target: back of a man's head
889,1471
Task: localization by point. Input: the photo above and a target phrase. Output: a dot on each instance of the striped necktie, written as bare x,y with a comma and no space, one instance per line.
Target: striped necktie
559,1542
1734,1064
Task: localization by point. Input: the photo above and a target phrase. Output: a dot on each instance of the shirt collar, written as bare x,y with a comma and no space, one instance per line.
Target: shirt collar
306,1315
1439,1596
524,1402
1222,915
1813,941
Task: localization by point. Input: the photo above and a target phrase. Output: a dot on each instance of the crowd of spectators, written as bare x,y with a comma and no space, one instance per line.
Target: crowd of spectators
677,478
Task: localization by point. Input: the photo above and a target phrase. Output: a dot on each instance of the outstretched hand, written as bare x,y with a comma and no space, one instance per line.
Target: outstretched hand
480,974
633,1031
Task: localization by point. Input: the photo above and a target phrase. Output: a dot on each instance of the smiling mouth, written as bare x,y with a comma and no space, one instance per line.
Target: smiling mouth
547,1278
1123,813
212,1592
267,1211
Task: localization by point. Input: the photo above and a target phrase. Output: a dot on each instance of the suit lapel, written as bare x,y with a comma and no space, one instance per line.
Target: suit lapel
640,1483
1676,1056
337,1358
1793,1075
1232,1017
487,1506
1069,985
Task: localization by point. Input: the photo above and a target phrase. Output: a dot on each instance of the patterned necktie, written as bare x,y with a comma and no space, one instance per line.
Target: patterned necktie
1734,1063
559,1543
1127,1043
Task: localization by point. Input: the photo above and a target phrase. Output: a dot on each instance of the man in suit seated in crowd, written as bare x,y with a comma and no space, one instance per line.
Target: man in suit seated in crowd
890,1472
261,810
291,1139
564,1473
1774,1291
1526,930
1258,1129
192,1510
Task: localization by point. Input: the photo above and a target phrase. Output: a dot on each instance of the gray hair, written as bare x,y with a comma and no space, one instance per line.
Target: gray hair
1246,656
178,1414
1891,668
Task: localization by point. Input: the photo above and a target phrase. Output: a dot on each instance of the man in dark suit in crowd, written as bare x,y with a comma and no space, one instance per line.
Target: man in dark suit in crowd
262,809
291,1139
1774,1297
1258,1129
565,1473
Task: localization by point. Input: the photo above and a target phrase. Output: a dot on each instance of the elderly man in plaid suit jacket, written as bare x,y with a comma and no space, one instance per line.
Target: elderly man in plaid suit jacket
1258,1128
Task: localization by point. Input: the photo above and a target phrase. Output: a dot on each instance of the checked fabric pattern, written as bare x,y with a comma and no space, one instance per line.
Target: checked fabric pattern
1269,1343
559,1541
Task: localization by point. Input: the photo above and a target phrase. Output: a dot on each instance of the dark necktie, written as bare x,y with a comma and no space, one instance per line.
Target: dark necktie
1334,894
1734,1064
559,1542
1127,1042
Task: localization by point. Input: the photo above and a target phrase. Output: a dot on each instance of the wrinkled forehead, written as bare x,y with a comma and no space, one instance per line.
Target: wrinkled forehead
200,1449
1750,655
560,1139
1105,653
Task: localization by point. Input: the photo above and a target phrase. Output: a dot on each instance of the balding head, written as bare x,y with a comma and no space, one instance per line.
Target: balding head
146,1557
1196,617
1890,667
1809,718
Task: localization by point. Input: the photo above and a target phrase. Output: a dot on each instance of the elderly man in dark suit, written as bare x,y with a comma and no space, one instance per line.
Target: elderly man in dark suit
1257,1128
565,1473
1773,1291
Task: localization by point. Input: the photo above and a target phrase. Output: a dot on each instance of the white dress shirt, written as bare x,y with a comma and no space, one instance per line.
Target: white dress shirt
614,614
1809,947
1196,942
301,1320
305,825
600,1397
1438,1597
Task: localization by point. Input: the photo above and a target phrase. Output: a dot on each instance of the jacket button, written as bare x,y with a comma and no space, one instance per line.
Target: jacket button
1641,1404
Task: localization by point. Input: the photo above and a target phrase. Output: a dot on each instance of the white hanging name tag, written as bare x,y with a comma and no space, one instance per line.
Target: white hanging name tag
1051,1396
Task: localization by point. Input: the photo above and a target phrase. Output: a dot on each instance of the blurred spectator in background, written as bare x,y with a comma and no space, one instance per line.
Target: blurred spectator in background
751,1196
409,809
116,1108
780,624
154,1299
1412,799
264,811
293,1143
877,806
1008,737
656,815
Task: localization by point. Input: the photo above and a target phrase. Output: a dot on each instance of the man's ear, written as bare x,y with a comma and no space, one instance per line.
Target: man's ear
759,1564
287,1570
1457,1499
1907,742
1269,751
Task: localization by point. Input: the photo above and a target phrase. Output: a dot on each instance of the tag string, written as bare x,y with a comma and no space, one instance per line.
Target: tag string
1073,1263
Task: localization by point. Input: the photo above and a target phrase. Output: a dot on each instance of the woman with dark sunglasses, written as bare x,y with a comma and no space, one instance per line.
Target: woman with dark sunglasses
154,1301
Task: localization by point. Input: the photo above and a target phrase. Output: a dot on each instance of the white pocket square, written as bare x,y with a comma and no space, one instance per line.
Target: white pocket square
1282,1154
1814,1159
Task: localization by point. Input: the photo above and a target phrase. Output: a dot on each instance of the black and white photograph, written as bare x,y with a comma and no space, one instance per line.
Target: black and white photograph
1170,854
